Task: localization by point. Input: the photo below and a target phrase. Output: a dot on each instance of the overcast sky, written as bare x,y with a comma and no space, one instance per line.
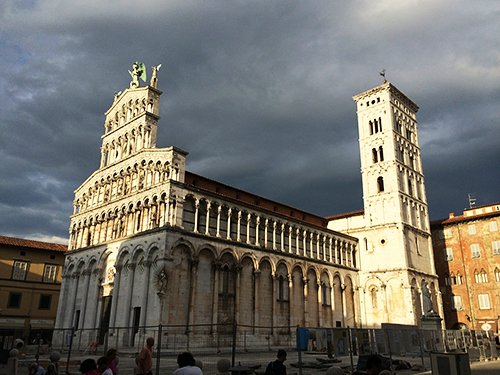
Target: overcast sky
258,92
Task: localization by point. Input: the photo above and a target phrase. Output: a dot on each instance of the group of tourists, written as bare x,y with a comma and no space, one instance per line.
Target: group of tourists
185,361
105,365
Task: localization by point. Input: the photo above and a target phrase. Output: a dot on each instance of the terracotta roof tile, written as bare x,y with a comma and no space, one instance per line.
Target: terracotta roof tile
32,243
348,214
464,218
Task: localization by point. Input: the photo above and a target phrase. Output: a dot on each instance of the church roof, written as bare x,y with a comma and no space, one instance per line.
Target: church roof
207,184
347,214
32,244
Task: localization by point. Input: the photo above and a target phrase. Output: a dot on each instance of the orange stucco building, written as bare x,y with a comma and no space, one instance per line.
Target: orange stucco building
467,258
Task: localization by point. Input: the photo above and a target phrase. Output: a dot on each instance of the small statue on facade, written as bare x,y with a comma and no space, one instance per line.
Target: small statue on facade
138,71
162,282
154,80
427,299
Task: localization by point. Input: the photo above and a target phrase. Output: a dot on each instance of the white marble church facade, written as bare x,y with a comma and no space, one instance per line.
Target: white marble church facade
151,243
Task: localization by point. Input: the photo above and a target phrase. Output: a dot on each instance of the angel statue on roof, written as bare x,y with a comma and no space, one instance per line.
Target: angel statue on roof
138,71
154,80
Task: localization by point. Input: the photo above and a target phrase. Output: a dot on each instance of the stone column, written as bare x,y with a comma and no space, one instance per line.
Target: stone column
332,299
196,214
342,291
304,241
168,213
93,235
257,223
81,237
128,297
103,157
289,238
297,241
318,246
311,245
341,247
145,217
116,291
320,302
306,305
275,224
144,302
162,212
62,311
257,273
237,294
71,316
229,212
383,289
219,209
238,234
192,290
330,250
274,295
71,239
207,232
266,228
215,300
282,236
85,274
249,218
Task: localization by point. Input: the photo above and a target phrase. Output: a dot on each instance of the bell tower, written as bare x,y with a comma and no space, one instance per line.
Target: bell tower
393,183
395,247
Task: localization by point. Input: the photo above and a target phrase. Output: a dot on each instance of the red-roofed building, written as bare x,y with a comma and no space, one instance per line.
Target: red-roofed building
467,258
30,281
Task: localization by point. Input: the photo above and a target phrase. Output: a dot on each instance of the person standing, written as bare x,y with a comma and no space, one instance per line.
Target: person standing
103,366
111,354
145,364
88,367
277,367
36,369
187,366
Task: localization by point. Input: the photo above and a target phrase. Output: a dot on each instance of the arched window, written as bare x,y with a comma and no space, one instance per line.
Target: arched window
374,155
380,123
447,279
371,128
497,274
410,189
453,279
325,290
226,280
484,276
460,279
381,153
380,184
282,288
477,278
373,297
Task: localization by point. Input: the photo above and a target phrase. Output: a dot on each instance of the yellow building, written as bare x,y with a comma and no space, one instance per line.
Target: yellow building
30,281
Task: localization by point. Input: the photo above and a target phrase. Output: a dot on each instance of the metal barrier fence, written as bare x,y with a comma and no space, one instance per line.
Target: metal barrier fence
253,345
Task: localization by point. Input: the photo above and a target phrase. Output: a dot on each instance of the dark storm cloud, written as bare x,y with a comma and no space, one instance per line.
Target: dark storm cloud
258,92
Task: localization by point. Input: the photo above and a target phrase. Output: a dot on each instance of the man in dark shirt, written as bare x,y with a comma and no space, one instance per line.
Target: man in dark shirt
277,367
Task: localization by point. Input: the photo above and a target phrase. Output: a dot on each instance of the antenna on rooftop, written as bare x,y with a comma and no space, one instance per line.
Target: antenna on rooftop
472,200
